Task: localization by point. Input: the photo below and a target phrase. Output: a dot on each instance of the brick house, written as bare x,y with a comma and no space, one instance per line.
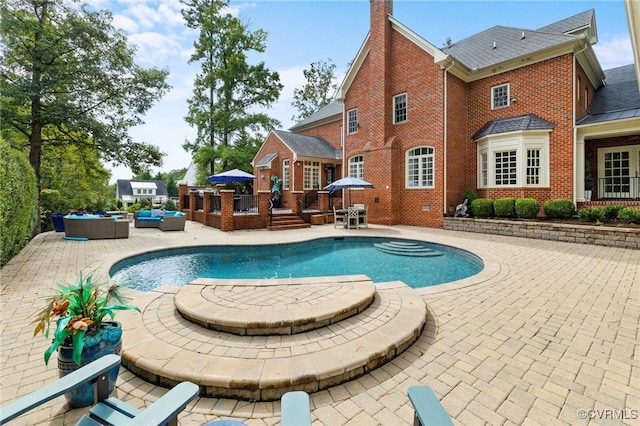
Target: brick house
508,112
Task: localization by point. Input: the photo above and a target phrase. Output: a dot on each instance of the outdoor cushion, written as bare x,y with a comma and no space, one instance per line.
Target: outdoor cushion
144,213
149,219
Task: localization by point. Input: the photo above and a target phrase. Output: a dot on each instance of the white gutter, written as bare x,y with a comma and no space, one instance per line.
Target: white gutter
577,186
444,121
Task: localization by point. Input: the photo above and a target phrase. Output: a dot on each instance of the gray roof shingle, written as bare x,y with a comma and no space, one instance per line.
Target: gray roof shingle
570,24
512,124
308,146
618,99
478,51
329,110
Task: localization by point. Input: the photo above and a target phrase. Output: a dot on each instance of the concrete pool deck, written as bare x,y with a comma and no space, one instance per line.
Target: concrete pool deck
546,330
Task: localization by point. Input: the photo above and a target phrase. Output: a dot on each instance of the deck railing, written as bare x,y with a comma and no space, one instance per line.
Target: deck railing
617,188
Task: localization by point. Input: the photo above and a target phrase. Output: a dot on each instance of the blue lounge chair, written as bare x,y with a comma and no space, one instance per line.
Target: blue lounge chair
428,410
106,411
295,409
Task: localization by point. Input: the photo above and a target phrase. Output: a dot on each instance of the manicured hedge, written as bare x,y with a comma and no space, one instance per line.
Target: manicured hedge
612,212
591,214
630,215
559,209
482,207
18,201
505,207
527,208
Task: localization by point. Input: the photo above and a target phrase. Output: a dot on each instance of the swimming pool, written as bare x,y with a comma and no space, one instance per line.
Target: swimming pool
416,263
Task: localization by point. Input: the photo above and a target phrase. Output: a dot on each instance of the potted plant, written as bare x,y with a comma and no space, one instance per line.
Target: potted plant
275,190
82,332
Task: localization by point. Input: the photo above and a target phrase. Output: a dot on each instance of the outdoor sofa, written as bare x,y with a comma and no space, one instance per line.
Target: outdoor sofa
166,220
94,227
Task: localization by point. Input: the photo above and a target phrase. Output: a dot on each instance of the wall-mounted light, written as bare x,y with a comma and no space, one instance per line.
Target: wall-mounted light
513,99
262,176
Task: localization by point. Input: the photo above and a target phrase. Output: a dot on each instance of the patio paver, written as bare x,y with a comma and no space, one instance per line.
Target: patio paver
547,333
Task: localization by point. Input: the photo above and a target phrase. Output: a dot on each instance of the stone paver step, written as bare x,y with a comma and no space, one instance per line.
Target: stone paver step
272,307
407,249
167,348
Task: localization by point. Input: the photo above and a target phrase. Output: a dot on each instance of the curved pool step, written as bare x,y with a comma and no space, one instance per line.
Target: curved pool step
401,248
221,304
166,348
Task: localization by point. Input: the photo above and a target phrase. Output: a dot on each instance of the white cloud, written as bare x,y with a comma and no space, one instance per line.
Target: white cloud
125,23
291,78
614,51
155,48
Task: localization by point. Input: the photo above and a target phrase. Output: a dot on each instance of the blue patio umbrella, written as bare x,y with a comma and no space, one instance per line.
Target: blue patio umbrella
348,183
229,176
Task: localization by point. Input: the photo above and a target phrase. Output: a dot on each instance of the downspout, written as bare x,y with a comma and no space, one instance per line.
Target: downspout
576,178
445,105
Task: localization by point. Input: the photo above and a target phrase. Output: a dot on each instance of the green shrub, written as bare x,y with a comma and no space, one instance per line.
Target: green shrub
591,214
482,207
18,201
612,212
470,195
145,203
134,207
527,208
169,205
630,215
505,207
559,209
51,201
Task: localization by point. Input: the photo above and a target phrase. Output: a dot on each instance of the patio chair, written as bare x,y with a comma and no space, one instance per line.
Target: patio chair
428,410
353,221
295,409
362,213
337,218
106,411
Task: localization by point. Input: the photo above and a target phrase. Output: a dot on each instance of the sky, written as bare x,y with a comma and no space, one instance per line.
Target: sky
301,32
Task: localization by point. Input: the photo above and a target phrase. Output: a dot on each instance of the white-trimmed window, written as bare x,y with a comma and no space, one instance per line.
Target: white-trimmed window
400,108
352,121
286,174
500,96
420,163
533,166
311,175
483,169
514,160
506,170
356,167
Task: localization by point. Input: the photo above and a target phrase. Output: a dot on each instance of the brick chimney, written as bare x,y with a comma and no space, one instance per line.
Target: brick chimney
380,55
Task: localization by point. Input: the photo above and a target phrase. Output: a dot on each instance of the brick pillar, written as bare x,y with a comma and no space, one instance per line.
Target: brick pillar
323,201
192,203
206,206
263,206
226,217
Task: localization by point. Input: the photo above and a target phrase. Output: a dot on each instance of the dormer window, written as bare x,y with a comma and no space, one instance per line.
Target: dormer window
500,96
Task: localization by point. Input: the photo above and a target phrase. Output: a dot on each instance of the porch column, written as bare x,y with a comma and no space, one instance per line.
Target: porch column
578,179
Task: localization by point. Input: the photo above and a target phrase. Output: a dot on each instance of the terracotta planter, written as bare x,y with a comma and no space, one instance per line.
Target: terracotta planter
107,341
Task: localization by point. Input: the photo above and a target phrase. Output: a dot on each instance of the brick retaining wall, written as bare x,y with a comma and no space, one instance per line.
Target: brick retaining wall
583,234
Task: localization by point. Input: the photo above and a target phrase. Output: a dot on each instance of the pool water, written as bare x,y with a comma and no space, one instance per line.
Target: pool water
315,258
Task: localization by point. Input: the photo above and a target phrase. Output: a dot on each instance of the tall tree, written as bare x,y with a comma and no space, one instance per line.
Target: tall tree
68,77
228,93
317,91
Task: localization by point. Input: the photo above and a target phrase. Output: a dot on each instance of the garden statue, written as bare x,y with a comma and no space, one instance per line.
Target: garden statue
461,209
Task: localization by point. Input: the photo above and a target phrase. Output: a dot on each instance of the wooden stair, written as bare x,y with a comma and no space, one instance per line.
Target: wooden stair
281,222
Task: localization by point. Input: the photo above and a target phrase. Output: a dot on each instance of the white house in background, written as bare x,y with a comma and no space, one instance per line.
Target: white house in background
189,176
132,191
